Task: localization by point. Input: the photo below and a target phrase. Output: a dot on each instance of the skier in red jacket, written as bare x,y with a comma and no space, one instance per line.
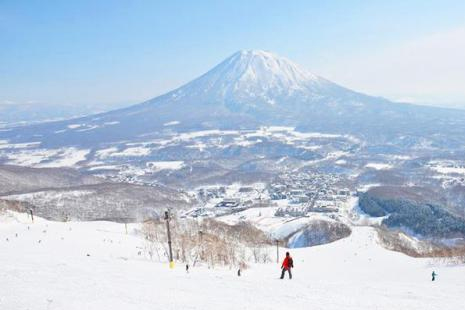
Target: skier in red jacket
288,263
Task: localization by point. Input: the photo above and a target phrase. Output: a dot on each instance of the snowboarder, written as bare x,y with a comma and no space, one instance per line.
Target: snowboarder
287,264
433,276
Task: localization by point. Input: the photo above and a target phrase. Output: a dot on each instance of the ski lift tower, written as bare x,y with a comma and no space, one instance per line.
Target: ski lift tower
167,219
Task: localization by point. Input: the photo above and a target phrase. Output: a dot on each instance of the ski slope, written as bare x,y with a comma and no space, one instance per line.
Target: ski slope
46,266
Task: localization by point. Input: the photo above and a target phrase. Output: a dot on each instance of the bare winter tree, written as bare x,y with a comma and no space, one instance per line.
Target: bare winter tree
208,241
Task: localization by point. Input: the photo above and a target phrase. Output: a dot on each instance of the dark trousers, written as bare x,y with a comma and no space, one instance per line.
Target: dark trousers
284,272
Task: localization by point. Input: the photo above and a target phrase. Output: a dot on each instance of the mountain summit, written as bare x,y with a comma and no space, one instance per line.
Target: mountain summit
253,73
256,86
251,88
252,78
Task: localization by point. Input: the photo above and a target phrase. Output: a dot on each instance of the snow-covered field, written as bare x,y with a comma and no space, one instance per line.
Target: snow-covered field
447,167
379,166
47,158
32,154
95,265
162,165
264,219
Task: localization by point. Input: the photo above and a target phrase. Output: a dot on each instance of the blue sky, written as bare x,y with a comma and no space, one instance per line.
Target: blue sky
92,52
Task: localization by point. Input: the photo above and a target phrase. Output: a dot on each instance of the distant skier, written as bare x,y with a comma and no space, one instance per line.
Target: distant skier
187,268
288,263
239,272
433,276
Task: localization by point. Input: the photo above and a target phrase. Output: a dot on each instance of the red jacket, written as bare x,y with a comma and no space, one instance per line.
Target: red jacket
288,262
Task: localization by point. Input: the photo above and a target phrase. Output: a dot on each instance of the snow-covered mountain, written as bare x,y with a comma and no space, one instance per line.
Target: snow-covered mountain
253,76
247,90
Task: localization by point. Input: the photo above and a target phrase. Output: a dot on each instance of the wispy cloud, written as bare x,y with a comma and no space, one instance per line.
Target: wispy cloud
427,69
7,102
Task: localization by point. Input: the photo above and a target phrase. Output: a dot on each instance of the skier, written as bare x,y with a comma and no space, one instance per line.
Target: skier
288,263
433,276
187,268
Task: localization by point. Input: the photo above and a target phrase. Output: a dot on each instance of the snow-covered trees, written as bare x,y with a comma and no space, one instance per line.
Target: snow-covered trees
424,219
318,232
208,241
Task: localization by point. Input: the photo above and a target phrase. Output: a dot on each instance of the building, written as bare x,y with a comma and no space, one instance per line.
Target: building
228,203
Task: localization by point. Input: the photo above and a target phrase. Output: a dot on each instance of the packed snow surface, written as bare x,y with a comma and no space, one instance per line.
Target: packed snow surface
95,265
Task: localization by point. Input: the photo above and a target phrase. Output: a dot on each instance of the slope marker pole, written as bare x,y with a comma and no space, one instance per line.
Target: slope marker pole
32,215
277,251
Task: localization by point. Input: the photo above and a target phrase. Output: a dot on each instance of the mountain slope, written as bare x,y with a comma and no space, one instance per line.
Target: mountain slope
15,179
106,268
62,193
249,89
